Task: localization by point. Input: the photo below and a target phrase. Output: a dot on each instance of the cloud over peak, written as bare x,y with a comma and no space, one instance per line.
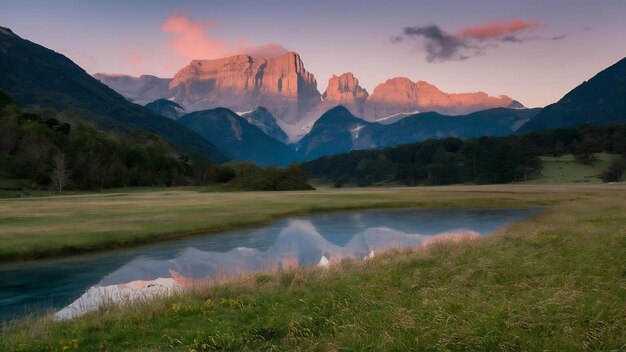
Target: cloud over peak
191,39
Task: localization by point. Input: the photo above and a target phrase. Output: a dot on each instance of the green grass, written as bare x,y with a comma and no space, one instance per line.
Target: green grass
60,225
565,169
553,283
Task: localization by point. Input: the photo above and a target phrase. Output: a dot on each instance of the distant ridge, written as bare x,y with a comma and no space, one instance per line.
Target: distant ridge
339,131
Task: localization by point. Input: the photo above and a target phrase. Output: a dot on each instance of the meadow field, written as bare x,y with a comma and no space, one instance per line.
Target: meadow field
565,169
60,225
556,282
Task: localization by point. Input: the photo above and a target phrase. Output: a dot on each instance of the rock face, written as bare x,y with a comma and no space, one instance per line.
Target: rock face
345,90
431,98
400,95
140,90
395,96
243,83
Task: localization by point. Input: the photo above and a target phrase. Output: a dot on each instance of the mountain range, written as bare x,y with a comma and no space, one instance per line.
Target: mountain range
600,101
289,92
266,101
338,131
39,77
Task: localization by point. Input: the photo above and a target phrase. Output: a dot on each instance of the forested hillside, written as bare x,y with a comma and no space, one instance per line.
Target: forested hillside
36,76
45,149
481,160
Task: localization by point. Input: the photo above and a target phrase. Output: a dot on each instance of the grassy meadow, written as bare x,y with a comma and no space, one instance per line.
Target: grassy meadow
59,225
556,282
565,169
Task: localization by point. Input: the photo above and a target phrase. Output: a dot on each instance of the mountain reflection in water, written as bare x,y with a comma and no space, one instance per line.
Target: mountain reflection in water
323,239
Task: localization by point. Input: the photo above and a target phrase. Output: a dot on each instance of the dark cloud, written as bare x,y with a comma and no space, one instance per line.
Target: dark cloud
516,39
441,46
511,39
397,39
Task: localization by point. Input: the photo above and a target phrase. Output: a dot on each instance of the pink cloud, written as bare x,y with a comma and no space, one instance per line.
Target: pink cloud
136,58
191,40
261,51
186,40
497,29
134,64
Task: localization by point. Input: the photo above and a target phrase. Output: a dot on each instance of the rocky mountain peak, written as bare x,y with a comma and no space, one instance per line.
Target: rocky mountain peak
394,96
345,90
243,83
400,95
344,86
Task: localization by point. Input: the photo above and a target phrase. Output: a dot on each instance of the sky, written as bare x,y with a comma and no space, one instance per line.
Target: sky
534,51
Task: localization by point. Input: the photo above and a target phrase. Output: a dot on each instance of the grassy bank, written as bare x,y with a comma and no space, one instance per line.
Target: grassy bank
565,169
52,226
556,282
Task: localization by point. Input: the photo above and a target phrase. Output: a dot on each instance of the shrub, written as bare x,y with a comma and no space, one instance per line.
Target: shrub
615,171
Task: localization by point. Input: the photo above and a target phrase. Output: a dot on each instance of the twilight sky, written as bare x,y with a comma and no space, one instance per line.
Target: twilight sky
532,50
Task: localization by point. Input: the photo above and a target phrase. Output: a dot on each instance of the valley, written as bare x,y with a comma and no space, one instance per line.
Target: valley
401,293
206,176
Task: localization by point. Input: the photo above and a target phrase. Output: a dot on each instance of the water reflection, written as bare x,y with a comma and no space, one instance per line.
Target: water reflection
289,243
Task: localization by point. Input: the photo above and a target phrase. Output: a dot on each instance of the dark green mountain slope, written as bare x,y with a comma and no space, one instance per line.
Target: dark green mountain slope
599,101
422,126
36,76
166,108
338,131
264,120
241,140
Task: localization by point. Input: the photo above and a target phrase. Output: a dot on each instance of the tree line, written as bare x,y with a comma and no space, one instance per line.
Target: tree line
46,149
480,160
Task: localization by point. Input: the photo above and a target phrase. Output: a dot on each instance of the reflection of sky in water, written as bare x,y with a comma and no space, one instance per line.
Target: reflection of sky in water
287,243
